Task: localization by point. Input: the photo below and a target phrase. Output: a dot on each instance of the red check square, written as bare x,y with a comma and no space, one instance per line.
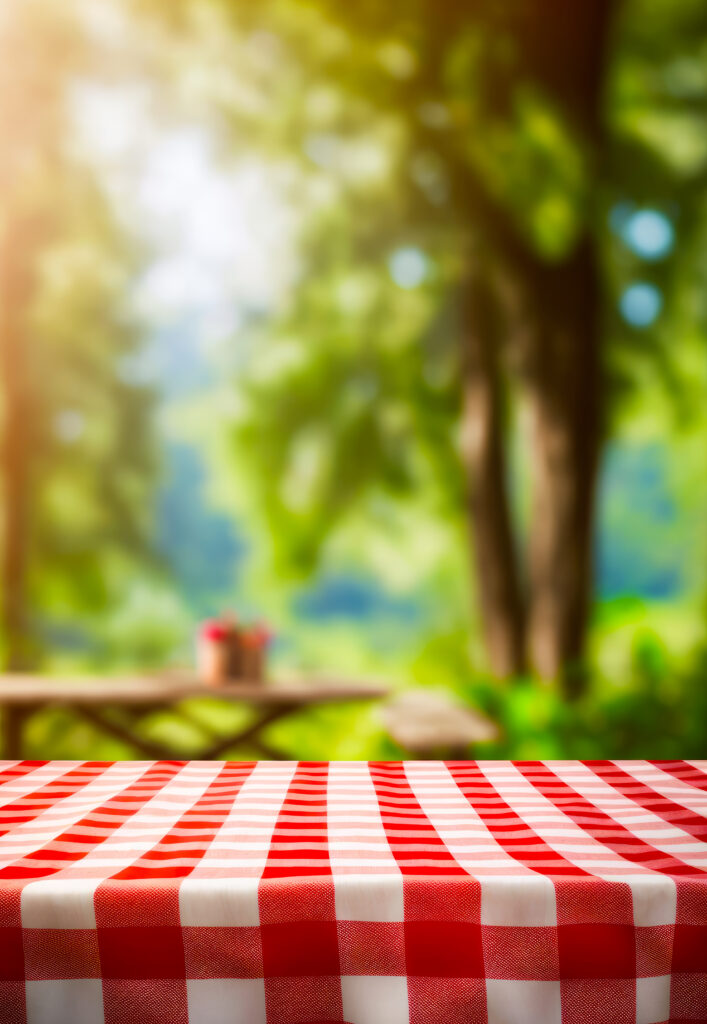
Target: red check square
61,953
141,952
654,950
372,948
688,998
222,952
590,900
307,998
10,907
12,961
443,949
690,948
612,1002
147,1000
597,951
283,900
13,1001
449,899
520,953
455,1000
300,948
692,905
115,898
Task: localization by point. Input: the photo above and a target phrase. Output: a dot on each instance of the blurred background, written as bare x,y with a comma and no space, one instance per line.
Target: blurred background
384,323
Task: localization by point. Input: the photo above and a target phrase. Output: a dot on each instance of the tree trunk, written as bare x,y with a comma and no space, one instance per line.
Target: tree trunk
15,286
565,51
498,584
565,442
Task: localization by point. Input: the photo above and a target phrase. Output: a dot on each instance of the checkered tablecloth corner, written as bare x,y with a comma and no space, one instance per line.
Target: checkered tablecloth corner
491,892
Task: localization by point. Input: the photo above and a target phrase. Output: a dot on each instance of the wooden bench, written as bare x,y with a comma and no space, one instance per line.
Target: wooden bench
429,724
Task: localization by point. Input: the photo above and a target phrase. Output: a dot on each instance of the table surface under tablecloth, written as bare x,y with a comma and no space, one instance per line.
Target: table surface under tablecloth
490,892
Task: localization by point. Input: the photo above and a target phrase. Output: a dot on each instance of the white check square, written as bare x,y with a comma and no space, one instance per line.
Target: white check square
79,1001
523,1002
520,900
369,897
227,1001
654,899
374,1000
59,903
652,999
219,902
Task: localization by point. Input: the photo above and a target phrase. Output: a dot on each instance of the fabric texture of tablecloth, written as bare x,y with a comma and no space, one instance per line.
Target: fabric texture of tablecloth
489,892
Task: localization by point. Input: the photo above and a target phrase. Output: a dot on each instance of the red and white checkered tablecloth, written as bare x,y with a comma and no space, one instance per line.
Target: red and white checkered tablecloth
490,892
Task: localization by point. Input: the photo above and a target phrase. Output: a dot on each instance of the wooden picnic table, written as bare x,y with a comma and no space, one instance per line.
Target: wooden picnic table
117,704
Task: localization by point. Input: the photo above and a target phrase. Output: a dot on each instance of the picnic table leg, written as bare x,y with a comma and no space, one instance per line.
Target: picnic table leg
250,733
12,721
97,716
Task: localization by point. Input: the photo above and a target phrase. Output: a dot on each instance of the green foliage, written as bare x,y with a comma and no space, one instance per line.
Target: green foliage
658,710
646,699
88,453
402,130
396,129
93,458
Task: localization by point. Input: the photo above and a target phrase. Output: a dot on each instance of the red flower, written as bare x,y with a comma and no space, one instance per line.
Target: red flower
216,631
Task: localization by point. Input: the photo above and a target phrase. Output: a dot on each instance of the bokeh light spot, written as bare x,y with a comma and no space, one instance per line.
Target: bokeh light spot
649,233
69,425
408,266
641,304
